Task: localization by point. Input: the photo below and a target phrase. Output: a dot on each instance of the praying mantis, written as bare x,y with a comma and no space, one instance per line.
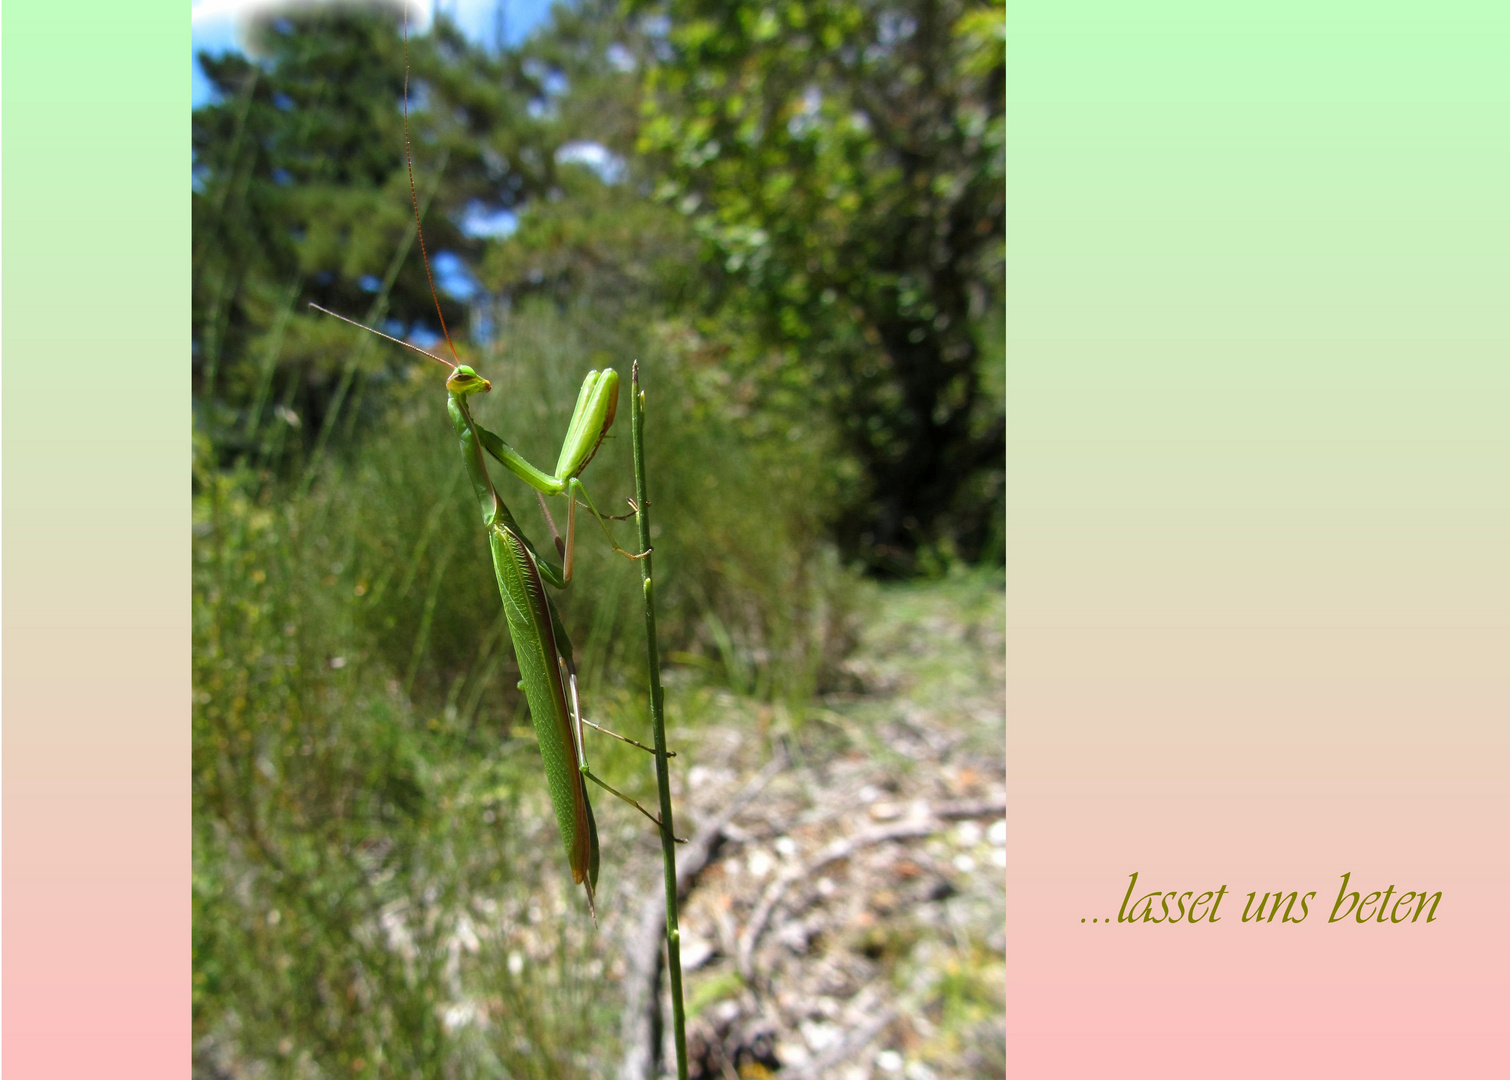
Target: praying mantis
547,671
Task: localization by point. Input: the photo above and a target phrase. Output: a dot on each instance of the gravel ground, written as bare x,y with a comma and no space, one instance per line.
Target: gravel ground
851,923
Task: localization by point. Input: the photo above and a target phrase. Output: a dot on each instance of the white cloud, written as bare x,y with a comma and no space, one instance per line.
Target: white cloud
478,221
218,25
597,157
251,10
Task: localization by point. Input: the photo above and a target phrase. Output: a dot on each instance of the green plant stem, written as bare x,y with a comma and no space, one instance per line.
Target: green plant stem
658,723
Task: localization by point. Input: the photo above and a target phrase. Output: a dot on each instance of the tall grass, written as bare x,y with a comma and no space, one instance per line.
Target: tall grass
378,888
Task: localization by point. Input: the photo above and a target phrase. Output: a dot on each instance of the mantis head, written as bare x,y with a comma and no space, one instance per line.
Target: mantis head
464,382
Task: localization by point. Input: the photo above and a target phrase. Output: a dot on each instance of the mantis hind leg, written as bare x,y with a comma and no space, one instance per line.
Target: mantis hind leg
586,770
624,738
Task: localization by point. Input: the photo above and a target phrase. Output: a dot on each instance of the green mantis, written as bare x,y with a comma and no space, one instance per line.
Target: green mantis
547,671
542,648
540,643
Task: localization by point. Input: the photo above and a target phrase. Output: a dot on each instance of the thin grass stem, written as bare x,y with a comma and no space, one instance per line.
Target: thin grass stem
658,724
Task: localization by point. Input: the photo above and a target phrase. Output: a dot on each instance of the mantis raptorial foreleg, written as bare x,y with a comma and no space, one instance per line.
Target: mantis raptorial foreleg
596,405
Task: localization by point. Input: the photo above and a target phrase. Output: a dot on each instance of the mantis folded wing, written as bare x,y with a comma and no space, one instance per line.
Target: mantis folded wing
532,625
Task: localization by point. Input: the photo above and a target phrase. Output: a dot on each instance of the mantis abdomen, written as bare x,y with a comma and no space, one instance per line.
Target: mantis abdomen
533,632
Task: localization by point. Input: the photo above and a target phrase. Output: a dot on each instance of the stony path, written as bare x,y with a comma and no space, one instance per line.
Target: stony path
851,924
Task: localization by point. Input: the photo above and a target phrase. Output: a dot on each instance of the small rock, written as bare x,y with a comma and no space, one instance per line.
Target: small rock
820,1034
794,936
459,1015
696,951
792,1053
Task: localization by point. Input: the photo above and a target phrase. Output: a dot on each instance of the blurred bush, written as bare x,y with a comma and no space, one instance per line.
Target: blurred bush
842,164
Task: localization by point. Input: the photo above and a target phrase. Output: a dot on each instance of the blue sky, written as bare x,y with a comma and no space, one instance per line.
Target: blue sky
215,30
214,23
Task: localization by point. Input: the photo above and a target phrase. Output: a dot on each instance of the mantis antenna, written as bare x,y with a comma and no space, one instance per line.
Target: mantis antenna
419,232
387,337
414,197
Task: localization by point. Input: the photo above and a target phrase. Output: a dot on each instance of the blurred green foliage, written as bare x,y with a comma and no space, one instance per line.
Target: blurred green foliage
843,163
366,793
346,836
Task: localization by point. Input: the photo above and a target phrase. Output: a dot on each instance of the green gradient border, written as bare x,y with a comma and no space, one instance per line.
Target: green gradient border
96,263
1258,518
